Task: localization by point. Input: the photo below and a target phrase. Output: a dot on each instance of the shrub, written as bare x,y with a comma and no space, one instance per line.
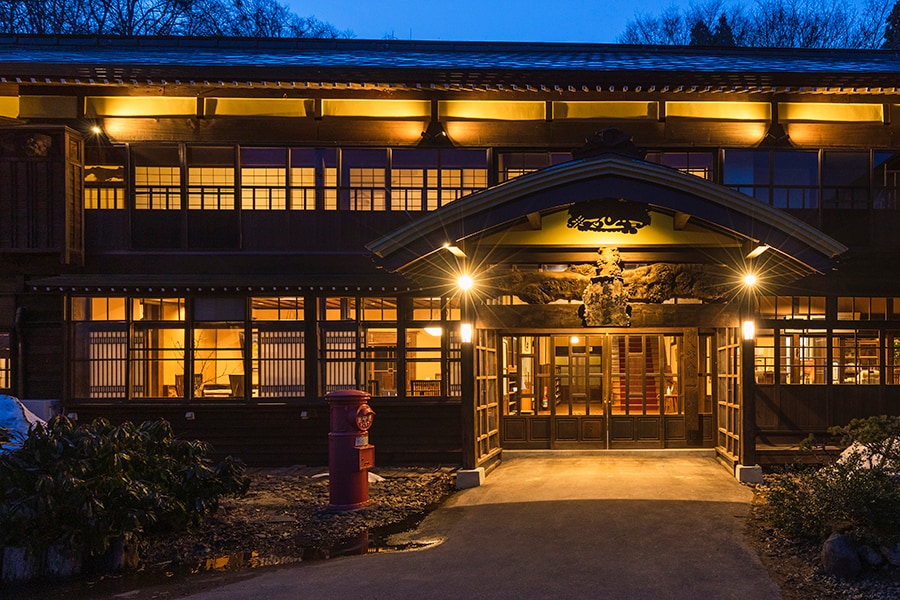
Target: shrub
85,486
858,494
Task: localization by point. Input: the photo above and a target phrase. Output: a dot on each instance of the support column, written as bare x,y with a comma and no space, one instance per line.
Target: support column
469,475
747,470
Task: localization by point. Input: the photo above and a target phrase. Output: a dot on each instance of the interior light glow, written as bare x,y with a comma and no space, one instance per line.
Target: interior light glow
433,330
758,250
574,339
454,250
748,328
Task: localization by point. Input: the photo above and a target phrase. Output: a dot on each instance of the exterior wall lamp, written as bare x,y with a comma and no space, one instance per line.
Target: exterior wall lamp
748,328
465,333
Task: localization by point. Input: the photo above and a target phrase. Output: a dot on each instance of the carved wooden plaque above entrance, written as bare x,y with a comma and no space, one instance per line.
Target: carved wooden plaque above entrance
608,214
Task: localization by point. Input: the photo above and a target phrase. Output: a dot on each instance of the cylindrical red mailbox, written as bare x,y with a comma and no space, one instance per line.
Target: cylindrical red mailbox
350,455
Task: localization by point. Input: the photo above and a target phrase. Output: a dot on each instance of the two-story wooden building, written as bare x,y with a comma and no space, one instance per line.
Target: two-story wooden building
514,246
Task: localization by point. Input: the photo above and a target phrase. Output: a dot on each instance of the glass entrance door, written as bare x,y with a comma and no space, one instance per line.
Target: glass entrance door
594,390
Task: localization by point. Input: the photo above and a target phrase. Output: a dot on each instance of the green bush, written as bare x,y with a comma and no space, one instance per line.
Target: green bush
857,494
85,486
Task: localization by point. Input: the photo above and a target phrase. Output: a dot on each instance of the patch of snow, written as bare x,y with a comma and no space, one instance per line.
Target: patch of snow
15,418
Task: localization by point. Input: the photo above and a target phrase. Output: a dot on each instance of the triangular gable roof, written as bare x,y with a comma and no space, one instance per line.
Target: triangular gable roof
803,249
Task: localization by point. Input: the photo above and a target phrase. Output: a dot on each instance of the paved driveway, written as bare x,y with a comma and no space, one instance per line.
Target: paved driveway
568,526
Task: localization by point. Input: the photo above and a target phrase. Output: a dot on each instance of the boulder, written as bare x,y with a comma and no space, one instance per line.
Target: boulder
871,556
840,557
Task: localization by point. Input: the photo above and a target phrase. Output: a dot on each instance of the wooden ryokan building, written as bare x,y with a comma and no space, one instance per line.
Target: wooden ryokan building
221,231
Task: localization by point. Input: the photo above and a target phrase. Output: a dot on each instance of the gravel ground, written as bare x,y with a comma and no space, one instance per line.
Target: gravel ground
796,568
284,519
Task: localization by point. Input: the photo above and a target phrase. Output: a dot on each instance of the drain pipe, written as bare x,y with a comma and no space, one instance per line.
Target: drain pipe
20,351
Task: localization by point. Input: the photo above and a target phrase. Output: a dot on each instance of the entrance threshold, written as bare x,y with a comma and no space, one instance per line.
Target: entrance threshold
637,453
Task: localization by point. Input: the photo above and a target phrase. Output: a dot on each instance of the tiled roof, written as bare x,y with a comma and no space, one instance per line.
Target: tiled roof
442,63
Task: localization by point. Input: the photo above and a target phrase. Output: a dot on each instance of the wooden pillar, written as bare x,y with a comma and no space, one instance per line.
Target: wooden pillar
467,382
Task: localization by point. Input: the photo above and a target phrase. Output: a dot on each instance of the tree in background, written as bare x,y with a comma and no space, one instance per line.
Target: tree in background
892,30
250,18
768,23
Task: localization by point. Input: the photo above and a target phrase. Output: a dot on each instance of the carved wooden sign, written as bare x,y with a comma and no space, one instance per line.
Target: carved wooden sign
608,214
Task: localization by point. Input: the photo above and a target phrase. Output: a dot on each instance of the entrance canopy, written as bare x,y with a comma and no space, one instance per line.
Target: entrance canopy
651,213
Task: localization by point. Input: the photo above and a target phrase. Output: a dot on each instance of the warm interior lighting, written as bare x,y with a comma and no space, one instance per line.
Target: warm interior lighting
748,328
465,333
830,111
258,107
605,110
95,129
392,109
454,250
758,250
723,111
749,280
465,282
522,110
139,106
433,330
574,339
9,106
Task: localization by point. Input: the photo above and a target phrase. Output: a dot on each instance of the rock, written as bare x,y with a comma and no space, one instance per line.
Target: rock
871,556
840,557
892,554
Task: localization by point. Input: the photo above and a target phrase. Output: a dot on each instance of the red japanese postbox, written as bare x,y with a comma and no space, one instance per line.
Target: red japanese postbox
350,455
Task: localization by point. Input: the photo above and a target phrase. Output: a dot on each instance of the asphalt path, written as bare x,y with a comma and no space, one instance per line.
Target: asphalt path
556,526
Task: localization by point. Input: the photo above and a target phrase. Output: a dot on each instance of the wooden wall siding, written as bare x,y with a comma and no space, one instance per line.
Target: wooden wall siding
41,195
43,340
279,435
791,409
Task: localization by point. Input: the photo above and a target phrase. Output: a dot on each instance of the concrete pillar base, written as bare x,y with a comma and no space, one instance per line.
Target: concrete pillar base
469,478
746,474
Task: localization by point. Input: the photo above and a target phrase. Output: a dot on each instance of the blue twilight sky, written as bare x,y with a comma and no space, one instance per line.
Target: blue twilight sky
483,20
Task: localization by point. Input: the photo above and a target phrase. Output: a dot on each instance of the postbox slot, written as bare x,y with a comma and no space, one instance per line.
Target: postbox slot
366,457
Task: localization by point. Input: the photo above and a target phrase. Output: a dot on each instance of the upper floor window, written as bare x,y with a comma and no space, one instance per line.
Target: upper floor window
363,174
699,164
886,179
783,179
516,164
845,179
210,178
104,178
157,177
263,178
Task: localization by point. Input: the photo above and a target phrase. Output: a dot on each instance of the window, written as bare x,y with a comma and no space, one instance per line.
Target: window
802,356
862,308
886,181
278,349
792,307
157,178
516,164
698,164
364,179
99,359
856,357
313,173
845,180
263,179
210,178
783,179
5,362
764,357
104,178
892,341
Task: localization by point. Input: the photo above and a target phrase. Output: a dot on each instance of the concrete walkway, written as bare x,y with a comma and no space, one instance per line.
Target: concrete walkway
606,526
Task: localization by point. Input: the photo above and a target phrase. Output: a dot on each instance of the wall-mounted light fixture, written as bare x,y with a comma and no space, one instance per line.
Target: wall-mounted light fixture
465,282
465,332
748,328
434,136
